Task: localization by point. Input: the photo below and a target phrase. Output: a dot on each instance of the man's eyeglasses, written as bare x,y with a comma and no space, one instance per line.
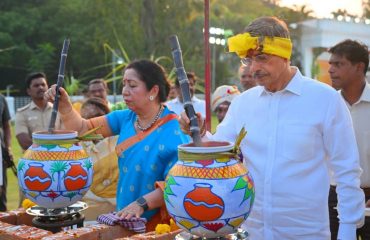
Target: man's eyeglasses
260,58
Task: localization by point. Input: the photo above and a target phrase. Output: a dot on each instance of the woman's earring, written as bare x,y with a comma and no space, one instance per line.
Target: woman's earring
151,98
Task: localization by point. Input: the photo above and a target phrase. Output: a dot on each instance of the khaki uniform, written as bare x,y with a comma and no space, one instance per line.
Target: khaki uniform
31,118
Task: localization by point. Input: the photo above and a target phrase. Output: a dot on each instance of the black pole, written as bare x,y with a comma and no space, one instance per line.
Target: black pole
184,85
63,58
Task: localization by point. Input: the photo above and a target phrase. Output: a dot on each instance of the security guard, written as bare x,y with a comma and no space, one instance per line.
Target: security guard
36,115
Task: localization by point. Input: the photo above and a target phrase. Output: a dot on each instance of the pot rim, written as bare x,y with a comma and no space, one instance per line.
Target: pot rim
221,146
56,135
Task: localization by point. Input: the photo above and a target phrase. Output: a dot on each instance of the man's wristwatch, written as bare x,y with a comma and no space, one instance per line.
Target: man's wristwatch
142,203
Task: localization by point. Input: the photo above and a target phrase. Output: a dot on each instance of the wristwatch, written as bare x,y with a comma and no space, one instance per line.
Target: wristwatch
142,203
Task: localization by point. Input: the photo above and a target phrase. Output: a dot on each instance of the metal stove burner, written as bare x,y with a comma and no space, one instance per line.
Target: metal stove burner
55,219
57,212
239,235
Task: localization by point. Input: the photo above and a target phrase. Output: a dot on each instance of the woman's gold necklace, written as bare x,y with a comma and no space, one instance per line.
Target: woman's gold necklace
150,124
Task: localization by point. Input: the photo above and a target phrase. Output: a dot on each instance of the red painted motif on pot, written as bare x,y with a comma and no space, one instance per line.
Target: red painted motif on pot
202,204
205,162
213,226
76,177
36,179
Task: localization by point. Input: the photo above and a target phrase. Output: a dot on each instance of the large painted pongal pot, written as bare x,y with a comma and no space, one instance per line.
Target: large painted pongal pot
55,171
209,192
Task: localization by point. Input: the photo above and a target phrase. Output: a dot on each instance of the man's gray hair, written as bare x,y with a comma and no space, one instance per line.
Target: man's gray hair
268,27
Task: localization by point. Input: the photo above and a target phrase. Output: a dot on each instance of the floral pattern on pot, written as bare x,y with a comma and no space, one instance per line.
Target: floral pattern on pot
209,197
55,175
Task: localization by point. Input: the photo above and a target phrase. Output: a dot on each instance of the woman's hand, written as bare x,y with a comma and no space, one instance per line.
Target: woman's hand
132,210
185,123
65,105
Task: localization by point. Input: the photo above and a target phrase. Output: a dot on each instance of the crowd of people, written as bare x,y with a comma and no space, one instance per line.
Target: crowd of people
307,148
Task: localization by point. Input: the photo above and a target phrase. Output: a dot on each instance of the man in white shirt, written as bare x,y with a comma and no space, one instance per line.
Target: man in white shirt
298,129
176,105
349,61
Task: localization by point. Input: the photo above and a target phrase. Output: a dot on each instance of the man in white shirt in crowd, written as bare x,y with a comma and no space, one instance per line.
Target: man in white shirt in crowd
176,105
349,61
298,129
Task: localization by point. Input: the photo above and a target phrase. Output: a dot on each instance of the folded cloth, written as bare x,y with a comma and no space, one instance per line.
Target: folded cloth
110,219
133,224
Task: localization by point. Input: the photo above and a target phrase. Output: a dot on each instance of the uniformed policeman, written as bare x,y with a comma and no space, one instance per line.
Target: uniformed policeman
35,116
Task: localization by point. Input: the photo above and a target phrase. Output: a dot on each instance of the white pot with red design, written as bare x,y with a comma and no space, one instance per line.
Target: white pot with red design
209,192
55,171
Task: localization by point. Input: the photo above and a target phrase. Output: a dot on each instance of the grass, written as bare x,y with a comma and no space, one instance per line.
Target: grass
13,191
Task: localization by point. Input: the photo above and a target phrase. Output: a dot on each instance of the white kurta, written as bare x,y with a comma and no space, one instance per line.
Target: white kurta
294,137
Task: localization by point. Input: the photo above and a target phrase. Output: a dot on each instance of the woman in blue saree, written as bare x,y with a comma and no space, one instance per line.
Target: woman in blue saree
148,136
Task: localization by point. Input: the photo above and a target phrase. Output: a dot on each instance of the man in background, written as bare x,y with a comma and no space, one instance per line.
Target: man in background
5,138
245,77
173,92
349,61
99,88
221,100
176,105
36,115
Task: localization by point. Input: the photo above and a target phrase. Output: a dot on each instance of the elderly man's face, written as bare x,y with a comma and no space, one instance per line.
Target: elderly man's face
221,110
267,70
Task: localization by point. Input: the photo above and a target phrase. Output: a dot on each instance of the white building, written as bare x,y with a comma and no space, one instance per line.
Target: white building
326,33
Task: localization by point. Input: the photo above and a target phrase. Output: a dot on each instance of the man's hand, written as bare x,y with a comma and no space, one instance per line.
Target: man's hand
65,105
185,123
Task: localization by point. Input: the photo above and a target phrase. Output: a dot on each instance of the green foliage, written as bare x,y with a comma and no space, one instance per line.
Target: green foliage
130,29
43,56
58,167
72,85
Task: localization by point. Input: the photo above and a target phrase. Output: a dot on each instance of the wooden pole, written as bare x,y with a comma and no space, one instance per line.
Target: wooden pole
207,65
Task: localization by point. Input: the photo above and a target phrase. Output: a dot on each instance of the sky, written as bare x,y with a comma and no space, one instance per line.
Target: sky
323,8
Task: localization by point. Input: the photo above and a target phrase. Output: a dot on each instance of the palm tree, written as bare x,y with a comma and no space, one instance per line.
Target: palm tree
58,167
88,164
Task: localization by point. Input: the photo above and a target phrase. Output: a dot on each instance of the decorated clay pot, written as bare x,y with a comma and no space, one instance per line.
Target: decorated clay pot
209,192
55,170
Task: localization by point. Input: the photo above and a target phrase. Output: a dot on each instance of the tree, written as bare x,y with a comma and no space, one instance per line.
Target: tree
35,29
